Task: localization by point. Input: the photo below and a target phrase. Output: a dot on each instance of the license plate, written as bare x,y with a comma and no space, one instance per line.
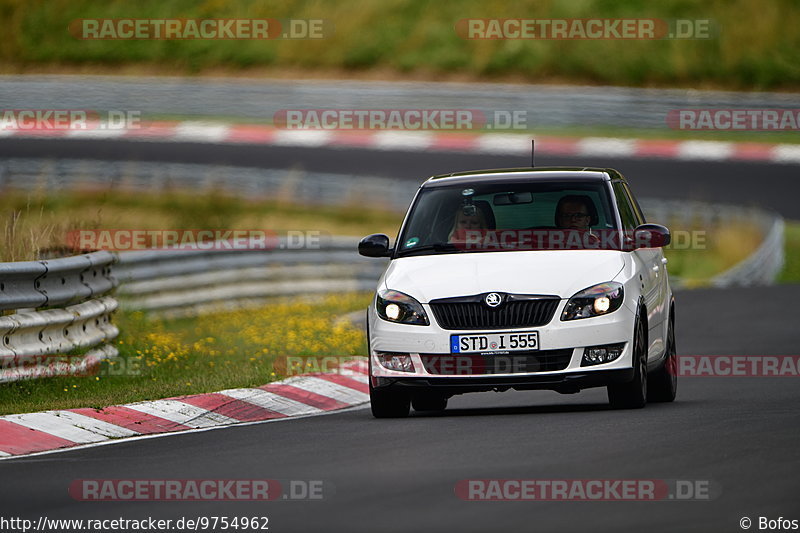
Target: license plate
494,342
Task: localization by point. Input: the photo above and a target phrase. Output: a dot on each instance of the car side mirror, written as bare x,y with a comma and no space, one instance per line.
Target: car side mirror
651,236
376,245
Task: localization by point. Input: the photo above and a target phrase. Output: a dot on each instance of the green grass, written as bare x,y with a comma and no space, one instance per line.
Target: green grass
160,359
30,222
756,46
713,250
791,268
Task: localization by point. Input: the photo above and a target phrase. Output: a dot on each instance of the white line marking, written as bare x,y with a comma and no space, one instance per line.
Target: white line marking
606,146
404,140
358,365
89,432
328,388
356,371
302,137
710,150
179,433
503,143
361,378
271,401
786,153
181,413
49,422
97,133
201,132
101,427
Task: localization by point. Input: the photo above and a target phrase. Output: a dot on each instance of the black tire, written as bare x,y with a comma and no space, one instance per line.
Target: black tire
385,403
428,402
389,403
662,384
633,395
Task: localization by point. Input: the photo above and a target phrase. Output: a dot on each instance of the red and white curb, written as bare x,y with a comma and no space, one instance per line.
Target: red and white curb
484,143
304,395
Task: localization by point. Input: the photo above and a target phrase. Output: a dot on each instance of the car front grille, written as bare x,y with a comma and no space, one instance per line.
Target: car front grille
515,311
512,363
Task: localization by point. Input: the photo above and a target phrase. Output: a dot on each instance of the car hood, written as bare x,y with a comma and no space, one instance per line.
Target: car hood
555,272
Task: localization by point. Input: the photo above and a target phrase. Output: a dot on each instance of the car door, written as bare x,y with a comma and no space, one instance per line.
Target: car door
660,268
649,265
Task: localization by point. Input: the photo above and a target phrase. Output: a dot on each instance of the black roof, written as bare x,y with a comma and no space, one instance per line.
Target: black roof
506,175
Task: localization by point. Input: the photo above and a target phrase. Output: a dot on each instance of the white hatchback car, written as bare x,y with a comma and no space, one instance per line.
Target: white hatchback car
545,278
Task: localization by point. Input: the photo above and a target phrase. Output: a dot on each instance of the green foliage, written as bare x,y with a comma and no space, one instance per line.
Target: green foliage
755,45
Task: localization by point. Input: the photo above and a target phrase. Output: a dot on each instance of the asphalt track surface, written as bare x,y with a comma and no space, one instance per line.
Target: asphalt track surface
742,434
775,186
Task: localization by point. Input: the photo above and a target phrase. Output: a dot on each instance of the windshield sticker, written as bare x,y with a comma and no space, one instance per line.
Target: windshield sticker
413,241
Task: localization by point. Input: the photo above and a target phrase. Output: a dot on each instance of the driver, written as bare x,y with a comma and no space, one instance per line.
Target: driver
573,212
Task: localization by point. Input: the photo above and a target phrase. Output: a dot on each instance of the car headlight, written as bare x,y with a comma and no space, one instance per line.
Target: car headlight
597,300
395,306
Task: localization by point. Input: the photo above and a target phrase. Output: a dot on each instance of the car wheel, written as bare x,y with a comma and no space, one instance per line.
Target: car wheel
389,403
385,403
633,395
663,383
429,402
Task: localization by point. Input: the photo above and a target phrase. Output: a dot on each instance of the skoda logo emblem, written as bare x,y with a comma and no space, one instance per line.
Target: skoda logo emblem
493,299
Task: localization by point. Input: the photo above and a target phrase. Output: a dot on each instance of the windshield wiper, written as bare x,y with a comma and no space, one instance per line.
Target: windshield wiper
436,247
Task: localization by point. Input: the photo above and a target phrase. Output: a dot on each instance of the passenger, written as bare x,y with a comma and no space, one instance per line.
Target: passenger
464,222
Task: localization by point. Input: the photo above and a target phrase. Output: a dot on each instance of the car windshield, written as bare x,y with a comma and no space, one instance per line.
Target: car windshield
524,215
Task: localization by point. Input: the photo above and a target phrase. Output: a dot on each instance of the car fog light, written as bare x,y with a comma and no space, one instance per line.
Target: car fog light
596,355
400,362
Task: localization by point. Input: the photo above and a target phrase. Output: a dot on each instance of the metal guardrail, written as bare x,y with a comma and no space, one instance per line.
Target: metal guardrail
55,282
762,267
178,282
77,329
296,186
545,105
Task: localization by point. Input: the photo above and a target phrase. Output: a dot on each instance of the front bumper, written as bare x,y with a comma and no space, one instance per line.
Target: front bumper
566,382
421,342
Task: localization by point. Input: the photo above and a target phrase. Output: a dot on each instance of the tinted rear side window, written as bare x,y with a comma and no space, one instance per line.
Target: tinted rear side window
626,212
636,209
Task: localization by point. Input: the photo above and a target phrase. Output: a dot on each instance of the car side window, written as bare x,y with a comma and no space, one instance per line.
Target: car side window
637,211
626,212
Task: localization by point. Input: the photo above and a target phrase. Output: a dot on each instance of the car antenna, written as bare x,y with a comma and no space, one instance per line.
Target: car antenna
533,153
